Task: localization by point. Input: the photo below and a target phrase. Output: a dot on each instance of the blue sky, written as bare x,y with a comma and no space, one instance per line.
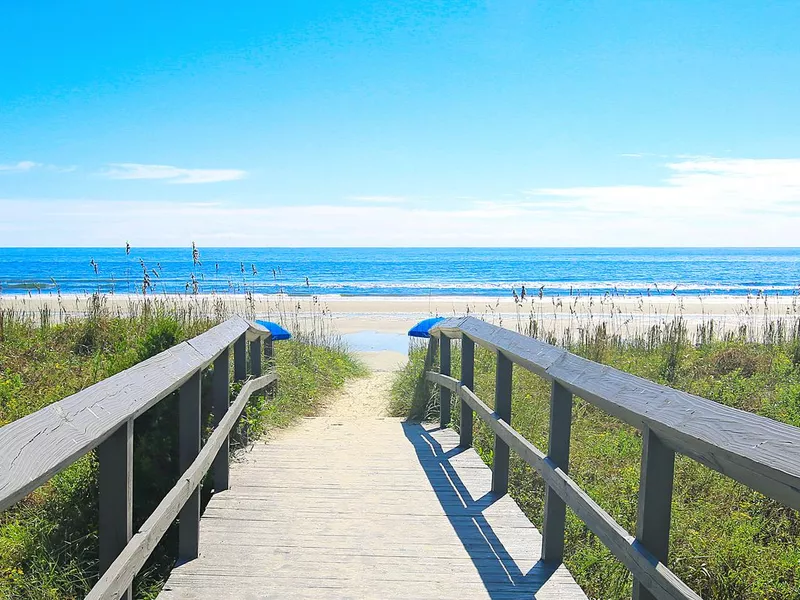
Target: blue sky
400,123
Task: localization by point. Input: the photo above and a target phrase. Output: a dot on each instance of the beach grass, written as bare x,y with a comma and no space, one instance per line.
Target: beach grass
48,541
727,541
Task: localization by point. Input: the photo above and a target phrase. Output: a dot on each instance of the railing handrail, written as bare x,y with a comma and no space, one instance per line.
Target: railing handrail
761,453
623,545
119,575
757,451
39,445
102,417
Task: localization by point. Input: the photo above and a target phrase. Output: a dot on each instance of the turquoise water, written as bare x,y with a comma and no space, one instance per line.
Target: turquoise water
405,271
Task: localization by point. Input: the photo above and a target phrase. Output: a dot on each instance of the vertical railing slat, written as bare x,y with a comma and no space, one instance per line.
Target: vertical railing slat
255,357
655,501
115,483
444,393
467,380
188,449
269,364
555,510
220,386
502,406
240,358
430,359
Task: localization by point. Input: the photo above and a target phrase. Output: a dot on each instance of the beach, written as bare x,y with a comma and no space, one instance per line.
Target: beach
396,314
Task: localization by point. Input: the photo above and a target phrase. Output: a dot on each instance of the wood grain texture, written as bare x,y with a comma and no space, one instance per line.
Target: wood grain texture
36,447
757,451
502,408
121,573
115,487
240,358
467,379
189,442
401,514
445,399
655,501
221,391
647,569
558,451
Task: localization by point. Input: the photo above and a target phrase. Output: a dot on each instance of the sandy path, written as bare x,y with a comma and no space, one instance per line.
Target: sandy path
364,398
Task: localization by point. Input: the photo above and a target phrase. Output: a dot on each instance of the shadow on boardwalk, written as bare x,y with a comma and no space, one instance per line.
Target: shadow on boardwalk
500,573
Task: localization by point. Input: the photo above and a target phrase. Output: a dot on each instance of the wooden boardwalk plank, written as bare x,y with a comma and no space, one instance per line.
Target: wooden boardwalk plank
366,509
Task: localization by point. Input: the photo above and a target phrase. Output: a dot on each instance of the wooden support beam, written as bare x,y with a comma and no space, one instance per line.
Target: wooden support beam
444,393
188,449
115,482
240,358
655,502
221,391
467,380
502,406
430,359
269,361
555,510
255,357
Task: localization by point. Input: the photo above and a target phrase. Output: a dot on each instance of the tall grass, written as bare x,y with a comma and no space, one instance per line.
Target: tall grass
727,541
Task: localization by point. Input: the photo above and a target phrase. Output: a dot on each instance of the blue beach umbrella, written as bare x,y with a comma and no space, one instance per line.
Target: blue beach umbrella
423,328
278,332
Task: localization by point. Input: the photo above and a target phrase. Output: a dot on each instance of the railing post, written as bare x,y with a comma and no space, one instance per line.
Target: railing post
430,358
502,406
555,511
255,357
240,358
269,361
444,393
220,386
188,449
655,502
467,380
115,482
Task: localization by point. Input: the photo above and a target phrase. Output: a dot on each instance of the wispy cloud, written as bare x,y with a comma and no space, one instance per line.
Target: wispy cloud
380,199
695,187
701,201
171,174
23,165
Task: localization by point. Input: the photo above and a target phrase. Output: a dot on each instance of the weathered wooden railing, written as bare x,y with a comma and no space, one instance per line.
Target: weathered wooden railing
36,447
758,452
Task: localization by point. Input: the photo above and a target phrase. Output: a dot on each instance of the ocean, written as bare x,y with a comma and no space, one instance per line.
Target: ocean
489,272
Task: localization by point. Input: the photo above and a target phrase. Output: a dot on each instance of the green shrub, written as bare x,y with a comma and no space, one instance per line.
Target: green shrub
160,335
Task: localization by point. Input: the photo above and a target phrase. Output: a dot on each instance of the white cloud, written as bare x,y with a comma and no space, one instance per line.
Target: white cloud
379,199
23,165
171,174
696,187
701,202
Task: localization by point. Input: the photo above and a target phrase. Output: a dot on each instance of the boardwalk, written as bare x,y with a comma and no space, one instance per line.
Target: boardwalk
352,506
356,505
